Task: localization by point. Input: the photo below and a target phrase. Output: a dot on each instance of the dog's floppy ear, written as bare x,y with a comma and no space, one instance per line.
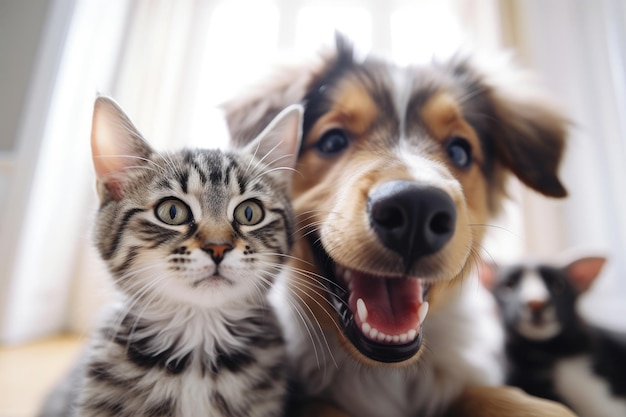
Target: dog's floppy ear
523,127
533,133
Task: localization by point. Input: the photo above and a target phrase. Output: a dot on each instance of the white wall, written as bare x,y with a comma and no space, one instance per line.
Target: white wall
21,26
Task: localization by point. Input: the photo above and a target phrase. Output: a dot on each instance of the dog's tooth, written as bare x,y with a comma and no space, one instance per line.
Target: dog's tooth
361,309
366,328
373,333
396,339
423,311
404,337
381,337
411,334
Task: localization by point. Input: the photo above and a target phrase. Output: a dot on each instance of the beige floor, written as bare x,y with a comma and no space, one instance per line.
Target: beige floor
28,372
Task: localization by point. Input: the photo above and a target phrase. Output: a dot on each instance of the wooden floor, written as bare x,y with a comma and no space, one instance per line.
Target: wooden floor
28,372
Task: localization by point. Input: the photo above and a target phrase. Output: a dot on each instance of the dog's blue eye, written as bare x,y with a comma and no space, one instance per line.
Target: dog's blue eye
332,142
460,152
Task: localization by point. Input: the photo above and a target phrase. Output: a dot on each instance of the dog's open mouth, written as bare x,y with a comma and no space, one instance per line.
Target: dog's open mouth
381,316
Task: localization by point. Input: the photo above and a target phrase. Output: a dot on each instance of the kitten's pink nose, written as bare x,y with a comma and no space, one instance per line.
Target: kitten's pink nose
217,250
536,305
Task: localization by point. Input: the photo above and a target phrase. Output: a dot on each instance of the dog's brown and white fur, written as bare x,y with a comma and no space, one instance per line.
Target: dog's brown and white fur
399,171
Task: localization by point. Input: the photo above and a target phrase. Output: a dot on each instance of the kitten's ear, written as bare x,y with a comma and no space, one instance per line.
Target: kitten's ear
584,271
116,146
278,144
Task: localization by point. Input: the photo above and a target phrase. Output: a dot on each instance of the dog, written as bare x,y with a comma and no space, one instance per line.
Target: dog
399,170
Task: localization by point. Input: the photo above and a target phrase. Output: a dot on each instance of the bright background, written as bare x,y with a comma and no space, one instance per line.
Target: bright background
169,63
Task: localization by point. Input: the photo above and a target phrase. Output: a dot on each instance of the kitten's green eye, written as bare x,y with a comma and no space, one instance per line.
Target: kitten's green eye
249,213
173,211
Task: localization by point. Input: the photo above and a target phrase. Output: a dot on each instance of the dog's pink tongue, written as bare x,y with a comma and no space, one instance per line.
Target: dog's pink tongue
389,305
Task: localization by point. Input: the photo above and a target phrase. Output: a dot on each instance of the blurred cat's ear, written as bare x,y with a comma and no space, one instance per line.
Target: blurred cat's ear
116,146
583,271
278,144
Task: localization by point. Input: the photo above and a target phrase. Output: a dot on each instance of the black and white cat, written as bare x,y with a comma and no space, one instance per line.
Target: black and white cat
552,352
193,240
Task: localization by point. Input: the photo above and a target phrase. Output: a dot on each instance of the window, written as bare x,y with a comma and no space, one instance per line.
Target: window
425,29
317,25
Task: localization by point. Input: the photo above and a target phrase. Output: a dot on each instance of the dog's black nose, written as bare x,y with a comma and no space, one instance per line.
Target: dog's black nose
412,219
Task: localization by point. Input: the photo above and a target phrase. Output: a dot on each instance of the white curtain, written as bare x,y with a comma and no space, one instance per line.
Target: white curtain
43,215
579,48
168,63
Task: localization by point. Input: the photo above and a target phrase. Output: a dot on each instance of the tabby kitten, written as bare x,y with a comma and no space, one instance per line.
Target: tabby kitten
192,240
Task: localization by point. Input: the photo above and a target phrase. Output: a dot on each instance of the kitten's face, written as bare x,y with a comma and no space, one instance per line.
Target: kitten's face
204,226
535,301
197,227
538,301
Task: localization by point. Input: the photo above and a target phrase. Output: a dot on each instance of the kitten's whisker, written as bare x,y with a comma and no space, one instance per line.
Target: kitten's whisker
136,296
301,282
313,225
312,284
176,168
274,161
117,156
268,153
148,303
309,273
495,226
133,299
277,169
304,220
146,293
316,210
308,326
262,292
285,255
128,168
252,158
311,232
319,326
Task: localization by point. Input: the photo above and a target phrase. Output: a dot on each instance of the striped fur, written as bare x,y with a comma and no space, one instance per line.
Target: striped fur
193,240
